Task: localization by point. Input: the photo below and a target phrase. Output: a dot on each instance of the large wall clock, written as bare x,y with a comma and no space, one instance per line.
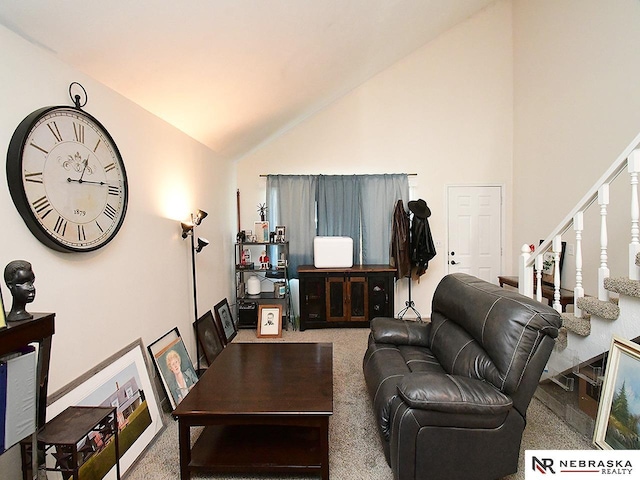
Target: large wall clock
67,179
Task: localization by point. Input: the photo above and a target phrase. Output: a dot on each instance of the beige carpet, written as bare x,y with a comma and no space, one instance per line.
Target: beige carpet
355,449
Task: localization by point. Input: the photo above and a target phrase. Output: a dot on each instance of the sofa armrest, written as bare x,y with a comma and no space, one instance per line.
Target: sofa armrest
400,332
453,394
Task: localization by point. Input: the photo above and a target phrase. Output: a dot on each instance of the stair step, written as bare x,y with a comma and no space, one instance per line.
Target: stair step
579,326
561,339
608,310
623,285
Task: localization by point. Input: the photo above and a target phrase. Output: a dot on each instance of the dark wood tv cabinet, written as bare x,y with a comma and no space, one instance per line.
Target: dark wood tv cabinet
345,297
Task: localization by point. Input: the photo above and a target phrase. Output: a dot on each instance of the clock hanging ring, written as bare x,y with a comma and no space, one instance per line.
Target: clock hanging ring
67,178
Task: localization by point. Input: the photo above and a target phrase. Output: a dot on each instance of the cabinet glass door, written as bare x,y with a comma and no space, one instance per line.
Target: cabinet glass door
336,299
313,296
379,290
357,299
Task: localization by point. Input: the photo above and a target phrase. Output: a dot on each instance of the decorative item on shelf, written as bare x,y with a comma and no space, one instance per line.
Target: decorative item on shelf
282,261
279,289
241,236
188,230
264,261
19,277
261,231
280,234
272,237
262,210
253,285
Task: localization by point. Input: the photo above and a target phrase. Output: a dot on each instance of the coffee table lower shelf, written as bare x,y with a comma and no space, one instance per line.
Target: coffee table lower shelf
257,448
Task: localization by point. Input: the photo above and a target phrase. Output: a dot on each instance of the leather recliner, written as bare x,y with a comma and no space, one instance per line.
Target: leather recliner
450,396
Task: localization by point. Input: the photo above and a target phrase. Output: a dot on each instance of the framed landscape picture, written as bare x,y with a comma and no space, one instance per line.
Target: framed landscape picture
619,408
225,321
122,381
173,365
270,321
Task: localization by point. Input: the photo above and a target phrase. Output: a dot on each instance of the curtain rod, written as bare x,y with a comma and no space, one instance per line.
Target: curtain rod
267,174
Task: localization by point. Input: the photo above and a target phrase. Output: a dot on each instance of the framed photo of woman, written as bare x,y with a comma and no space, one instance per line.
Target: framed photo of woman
173,365
270,321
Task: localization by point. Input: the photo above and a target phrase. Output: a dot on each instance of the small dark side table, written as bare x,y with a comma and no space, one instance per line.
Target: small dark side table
65,431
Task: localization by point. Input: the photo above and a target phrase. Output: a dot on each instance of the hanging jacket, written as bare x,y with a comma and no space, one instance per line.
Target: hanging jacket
400,247
422,247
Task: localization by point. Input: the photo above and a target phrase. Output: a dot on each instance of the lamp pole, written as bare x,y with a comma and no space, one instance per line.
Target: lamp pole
195,295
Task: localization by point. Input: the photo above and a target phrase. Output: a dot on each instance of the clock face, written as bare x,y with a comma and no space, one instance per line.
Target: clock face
67,179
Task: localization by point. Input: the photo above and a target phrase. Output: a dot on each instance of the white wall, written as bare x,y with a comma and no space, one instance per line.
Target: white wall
577,107
139,285
444,112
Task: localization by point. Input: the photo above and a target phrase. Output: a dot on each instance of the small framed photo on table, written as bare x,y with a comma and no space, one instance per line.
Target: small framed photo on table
269,321
280,233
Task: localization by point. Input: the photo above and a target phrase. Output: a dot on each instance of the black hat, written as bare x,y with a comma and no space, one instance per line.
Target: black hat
419,208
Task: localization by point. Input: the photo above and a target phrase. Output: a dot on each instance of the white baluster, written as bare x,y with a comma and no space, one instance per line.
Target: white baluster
578,291
557,248
633,167
525,274
603,271
538,262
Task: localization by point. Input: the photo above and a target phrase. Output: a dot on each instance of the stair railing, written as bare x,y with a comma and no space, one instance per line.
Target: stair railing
531,263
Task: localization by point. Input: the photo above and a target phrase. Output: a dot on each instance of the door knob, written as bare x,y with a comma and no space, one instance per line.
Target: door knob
453,262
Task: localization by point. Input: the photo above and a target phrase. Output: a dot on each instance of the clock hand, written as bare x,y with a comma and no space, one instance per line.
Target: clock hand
86,181
86,162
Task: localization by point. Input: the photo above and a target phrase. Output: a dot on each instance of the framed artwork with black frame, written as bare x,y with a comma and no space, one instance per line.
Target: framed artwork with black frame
619,408
124,381
211,343
269,321
225,321
173,365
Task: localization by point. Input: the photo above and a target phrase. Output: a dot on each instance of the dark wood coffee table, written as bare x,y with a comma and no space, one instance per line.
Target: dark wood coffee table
265,408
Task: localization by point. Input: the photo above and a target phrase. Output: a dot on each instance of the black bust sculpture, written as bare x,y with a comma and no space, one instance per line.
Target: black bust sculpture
19,277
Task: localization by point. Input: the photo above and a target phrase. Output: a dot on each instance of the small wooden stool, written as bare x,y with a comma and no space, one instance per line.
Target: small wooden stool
64,433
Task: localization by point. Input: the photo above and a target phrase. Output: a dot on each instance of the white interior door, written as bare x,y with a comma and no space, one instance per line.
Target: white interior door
475,231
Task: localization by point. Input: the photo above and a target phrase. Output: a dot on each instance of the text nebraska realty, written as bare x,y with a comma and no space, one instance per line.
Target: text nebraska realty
606,467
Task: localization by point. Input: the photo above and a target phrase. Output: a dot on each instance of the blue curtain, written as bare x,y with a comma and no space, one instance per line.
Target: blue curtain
291,201
378,196
356,206
339,208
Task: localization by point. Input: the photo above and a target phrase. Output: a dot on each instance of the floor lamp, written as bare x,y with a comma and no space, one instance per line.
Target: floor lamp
188,230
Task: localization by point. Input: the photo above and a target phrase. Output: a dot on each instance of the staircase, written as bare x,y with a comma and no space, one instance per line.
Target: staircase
613,308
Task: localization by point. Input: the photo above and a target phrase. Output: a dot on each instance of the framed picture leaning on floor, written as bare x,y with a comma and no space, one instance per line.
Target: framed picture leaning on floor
619,409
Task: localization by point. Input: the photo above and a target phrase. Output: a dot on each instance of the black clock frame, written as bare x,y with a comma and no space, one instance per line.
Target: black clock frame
16,187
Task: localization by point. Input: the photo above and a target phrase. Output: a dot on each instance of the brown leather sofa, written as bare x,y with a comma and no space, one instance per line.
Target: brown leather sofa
450,396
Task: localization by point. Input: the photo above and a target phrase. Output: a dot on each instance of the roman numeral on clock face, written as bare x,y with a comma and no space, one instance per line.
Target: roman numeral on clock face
113,190
42,206
81,234
78,130
110,212
61,226
54,130
35,177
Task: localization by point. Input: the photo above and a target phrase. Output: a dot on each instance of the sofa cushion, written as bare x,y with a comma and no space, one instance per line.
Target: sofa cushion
453,394
400,332
483,331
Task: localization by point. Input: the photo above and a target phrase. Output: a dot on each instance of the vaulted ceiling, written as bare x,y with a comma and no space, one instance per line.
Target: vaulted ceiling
233,73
